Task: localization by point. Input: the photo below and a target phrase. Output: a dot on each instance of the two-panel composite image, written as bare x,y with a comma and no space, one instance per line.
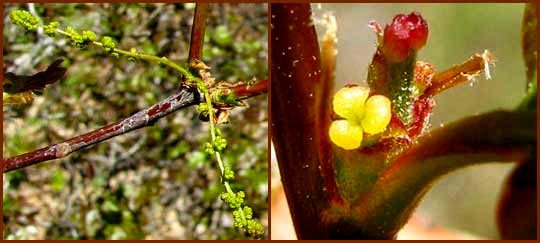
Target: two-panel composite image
269,121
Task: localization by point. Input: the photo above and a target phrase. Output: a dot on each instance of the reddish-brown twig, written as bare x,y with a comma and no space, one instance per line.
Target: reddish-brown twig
180,99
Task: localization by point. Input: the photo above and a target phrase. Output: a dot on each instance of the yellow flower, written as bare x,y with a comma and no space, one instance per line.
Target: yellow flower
362,114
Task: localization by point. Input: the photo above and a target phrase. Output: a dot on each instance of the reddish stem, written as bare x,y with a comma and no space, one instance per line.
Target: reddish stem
324,109
197,32
496,136
459,74
244,91
297,128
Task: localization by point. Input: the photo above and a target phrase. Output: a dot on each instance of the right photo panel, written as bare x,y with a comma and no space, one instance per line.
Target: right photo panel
403,121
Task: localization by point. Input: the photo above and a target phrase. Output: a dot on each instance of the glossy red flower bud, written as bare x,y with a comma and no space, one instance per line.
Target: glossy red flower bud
405,34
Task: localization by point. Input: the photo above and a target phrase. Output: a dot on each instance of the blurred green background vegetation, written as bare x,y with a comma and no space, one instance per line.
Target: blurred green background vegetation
466,199
153,183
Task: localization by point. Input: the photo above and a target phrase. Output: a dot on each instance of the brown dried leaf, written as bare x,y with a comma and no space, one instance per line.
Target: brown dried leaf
14,84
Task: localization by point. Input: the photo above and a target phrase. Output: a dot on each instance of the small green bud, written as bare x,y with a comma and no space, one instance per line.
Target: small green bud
51,28
220,143
115,54
238,200
88,36
237,213
217,131
228,174
24,19
225,196
134,52
235,200
71,32
248,212
232,200
209,149
77,39
108,43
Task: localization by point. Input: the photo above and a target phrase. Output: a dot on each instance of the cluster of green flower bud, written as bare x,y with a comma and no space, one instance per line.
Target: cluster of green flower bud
80,40
254,229
228,174
51,28
109,45
243,219
219,144
209,149
239,221
24,19
88,36
234,200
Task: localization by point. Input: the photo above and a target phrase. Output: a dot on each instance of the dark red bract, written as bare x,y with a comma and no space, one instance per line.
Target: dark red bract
405,33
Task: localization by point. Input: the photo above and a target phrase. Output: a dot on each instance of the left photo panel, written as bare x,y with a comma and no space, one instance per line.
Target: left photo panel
135,121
